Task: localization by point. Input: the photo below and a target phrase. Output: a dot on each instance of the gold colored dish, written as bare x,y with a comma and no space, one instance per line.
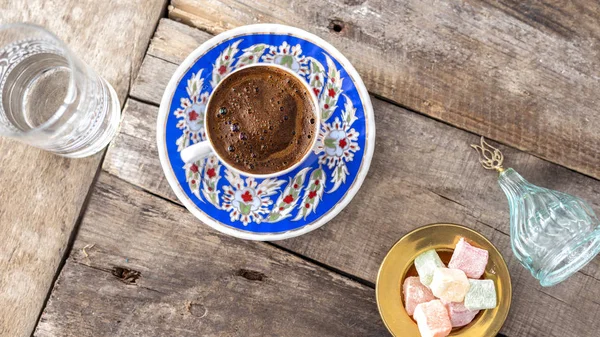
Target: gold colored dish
398,264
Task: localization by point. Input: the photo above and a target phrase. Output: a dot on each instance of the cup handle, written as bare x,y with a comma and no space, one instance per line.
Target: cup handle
196,152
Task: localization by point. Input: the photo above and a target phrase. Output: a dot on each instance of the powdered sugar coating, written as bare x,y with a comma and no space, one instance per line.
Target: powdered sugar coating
426,263
415,293
471,260
481,295
432,319
450,285
459,314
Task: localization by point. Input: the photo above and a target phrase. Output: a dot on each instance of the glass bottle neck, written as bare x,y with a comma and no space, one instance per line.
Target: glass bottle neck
512,183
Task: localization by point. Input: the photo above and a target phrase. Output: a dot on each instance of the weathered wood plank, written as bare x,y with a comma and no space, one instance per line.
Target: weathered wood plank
193,280
173,41
133,151
524,73
387,207
42,194
427,173
147,88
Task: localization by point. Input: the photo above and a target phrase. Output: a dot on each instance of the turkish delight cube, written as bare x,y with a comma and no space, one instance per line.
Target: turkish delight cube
432,319
426,263
471,260
415,293
450,285
481,295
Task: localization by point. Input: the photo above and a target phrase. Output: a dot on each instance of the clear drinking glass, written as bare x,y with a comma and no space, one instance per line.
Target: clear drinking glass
49,98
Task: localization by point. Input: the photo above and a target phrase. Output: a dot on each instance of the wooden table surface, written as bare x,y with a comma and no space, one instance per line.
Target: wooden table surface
524,74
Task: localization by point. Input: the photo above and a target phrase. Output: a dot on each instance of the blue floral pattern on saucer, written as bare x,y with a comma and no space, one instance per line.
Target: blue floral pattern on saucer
290,204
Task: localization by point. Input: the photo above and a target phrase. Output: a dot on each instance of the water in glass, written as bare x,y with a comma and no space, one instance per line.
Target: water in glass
50,99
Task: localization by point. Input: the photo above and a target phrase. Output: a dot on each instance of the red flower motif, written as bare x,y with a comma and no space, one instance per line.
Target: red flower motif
307,205
210,189
316,91
222,70
333,80
317,77
343,143
193,115
312,194
331,93
194,168
247,197
295,186
211,172
326,106
227,57
193,182
281,208
251,57
288,199
317,182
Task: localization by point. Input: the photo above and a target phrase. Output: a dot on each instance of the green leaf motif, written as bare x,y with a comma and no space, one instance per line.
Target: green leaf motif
319,173
287,61
244,209
330,143
274,216
259,48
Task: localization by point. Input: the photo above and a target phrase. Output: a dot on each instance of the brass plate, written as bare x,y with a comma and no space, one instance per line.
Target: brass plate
442,237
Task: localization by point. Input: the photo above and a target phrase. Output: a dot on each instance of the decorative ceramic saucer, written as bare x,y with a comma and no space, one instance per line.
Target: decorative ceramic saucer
291,204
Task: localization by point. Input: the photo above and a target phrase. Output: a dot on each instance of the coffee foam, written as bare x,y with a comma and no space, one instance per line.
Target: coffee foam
261,120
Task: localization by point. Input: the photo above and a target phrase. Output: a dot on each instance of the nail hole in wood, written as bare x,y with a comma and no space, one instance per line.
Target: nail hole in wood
197,309
126,275
251,275
336,25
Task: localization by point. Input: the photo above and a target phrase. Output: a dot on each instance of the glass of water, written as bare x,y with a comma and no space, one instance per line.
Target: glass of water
49,98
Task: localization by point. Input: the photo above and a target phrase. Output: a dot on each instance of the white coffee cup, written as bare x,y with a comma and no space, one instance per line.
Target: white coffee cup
205,148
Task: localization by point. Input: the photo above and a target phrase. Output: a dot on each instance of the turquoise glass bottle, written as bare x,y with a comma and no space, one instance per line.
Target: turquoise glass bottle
553,234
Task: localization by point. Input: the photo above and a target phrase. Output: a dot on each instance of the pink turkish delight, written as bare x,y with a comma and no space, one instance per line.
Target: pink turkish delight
415,293
459,314
432,319
471,260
